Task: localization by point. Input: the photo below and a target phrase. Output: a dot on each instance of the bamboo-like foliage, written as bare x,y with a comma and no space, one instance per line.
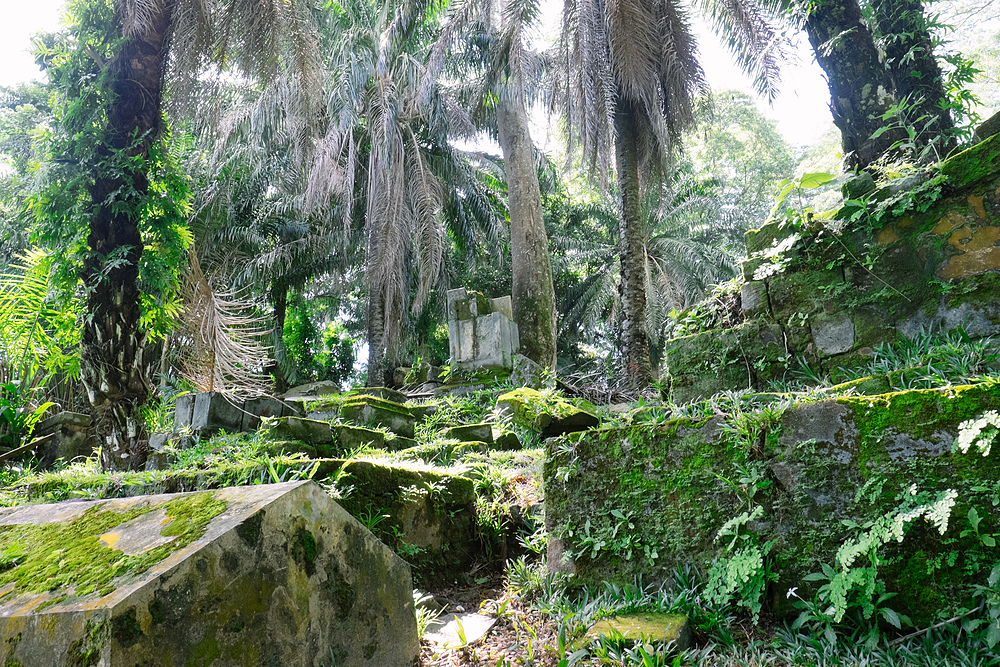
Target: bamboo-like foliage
37,337
226,350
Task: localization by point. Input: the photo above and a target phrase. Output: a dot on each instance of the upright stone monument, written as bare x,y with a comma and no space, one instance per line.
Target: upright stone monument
481,332
262,575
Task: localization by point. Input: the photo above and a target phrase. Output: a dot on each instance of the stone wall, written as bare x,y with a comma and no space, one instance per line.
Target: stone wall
917,255
650,498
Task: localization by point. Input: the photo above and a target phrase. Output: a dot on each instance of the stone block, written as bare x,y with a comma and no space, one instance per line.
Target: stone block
368,410
309,431
527,373
259,575
256,408
549,414
73,436
385,393
753,298
183,411
352,437
215,411
314,389
833,334
471,433
478,336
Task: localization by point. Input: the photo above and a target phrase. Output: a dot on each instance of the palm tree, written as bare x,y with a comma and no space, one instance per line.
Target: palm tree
679,262
629,84
113,77
386,157
504,70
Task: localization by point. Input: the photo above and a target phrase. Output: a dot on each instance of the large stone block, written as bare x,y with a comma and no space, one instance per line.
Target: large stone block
214,411
183,411
372,411
73,436
256,408
262,575
831,467
481,333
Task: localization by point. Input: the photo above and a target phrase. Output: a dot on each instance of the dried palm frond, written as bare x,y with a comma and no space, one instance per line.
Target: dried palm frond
227,349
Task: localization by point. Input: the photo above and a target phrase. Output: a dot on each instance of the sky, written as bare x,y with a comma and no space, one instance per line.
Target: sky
801,110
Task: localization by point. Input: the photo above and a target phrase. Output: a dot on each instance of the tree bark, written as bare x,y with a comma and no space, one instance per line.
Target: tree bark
860,89
113,370
634,341
533,295
915,74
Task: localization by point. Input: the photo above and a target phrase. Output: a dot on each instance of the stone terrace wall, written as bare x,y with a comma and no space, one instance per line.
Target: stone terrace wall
830,297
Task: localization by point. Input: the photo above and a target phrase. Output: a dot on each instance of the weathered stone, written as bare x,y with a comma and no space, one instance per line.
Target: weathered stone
322,388
183,411
256,408
548,413
753,298
667,484
309,431
215,411
479,337
833,334
431,509
989,127
421,411
458,630
527,373
73,436
352,437
372,411
640,628
261,575
384,393
507,441
471,433
858,186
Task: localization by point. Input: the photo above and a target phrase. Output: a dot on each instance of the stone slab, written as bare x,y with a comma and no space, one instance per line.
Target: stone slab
214,411
444,632
309,431
256,408
367,410
262,575
183,411
471,433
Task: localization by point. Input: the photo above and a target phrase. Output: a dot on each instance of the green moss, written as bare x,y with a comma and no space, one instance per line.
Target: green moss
86,651
204,652
973,165
50,557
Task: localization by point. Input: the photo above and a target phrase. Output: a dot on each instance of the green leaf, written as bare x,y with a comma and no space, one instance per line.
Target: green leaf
974,519
993,634
891,616
814,180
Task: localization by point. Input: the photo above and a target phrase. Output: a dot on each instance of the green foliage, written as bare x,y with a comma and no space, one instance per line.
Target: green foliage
979,433
17,415
81,150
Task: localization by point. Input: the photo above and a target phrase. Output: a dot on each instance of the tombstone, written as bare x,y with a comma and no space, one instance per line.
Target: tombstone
214,411
258,575
73,436
481,331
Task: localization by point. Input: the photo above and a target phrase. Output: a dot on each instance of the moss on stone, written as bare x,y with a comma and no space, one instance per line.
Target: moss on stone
39,558
974,165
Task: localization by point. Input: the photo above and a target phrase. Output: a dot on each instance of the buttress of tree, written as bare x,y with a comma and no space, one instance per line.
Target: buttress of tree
226,344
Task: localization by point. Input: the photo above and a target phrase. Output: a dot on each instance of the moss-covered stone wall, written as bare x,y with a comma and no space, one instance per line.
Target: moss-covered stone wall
918,255
642,500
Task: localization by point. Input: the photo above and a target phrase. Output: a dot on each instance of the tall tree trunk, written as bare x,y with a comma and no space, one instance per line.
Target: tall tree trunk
533,295
860,88
634,340
915,74
284,374
112,366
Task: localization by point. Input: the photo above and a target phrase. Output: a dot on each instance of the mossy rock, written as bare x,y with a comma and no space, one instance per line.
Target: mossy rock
309,431
550,414
366,410
974,165
646,628
657,496
352,437
471,433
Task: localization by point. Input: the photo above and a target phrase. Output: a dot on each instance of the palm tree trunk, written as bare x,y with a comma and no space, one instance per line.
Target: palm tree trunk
634,341
112,366
860,89
915,73
533,295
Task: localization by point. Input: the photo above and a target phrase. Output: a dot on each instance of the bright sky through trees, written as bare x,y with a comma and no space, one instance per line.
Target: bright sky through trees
801,110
